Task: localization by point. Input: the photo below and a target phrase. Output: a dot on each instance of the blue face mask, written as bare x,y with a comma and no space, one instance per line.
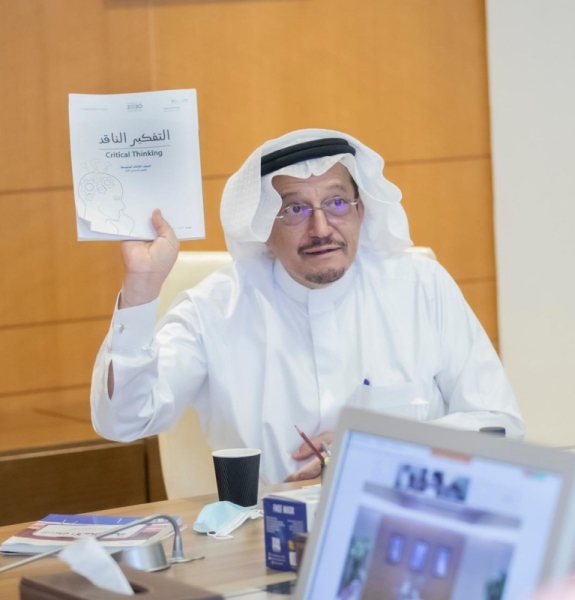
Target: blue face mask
219,519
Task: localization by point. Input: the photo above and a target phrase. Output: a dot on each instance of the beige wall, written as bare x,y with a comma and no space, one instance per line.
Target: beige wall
407,77
531,52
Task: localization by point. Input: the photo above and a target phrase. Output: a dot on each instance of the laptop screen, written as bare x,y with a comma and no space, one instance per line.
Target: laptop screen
407,522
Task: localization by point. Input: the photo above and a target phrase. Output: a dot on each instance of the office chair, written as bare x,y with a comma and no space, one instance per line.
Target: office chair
422,251
185,456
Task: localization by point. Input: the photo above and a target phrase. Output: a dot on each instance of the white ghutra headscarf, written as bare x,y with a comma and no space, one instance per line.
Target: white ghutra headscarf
250,203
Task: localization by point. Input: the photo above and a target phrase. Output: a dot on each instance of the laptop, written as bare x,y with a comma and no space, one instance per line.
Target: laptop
413,511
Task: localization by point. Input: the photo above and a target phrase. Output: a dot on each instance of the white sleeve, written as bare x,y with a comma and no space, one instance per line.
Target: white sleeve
471,377
158,370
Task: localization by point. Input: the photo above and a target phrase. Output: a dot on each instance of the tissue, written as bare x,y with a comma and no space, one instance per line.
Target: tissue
88,558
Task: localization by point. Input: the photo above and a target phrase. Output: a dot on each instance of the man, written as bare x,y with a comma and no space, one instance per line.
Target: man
321,308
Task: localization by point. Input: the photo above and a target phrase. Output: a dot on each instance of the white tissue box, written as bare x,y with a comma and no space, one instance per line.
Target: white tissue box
285,515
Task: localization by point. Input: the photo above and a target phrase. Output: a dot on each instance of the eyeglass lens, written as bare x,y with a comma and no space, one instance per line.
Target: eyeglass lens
298,213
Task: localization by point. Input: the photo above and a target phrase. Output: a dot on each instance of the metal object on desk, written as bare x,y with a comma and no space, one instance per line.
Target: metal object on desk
177,550
150,557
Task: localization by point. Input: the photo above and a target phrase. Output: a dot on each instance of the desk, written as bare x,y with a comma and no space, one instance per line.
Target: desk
229,566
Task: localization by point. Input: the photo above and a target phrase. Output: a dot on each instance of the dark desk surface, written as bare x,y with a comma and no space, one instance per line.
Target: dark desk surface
230,565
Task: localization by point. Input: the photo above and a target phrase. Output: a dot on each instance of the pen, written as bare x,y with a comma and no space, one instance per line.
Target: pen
312,447
326,449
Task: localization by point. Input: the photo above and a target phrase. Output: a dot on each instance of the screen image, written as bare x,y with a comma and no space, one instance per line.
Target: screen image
431,483
410,522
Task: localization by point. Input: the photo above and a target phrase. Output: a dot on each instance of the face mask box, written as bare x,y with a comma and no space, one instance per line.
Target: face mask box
285,515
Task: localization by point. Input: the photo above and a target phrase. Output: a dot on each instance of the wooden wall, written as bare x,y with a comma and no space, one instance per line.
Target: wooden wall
407,77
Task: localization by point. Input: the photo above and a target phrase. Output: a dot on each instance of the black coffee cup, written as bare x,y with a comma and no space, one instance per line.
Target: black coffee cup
237,475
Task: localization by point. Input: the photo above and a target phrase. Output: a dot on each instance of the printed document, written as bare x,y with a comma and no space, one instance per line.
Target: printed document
55,531
132,153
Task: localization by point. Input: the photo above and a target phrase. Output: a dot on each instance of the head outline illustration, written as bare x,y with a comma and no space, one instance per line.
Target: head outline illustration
101,195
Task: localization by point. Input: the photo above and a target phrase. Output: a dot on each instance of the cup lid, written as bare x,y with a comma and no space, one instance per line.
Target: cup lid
236,452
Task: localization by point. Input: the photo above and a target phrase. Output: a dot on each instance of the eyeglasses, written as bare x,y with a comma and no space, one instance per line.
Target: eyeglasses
334,209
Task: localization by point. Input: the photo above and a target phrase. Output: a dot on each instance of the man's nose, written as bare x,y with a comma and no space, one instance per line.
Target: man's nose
318,224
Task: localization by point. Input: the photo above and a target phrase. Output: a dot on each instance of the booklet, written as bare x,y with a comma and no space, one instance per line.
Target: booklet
132,153
56,531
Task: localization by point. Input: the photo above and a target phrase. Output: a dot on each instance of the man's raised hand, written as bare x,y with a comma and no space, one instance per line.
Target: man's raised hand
148,264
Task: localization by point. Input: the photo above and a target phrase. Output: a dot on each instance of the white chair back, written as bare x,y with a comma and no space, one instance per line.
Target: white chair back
422,251
186,458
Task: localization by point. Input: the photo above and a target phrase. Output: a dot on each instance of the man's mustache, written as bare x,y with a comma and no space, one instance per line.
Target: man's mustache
319,242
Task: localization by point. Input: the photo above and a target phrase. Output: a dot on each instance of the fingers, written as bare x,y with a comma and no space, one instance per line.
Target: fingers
304,451
309,471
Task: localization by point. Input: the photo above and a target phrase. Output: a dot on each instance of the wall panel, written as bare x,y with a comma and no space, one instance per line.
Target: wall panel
482,297
46,357
449,206
52,276
50,48
408,77
45,418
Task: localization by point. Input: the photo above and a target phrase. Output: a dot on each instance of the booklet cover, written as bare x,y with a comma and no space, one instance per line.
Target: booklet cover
132,153
55,531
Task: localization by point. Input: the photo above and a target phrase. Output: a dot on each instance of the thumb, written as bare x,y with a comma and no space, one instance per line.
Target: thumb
162,227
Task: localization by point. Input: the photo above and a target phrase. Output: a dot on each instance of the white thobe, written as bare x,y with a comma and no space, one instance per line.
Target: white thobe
257,353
